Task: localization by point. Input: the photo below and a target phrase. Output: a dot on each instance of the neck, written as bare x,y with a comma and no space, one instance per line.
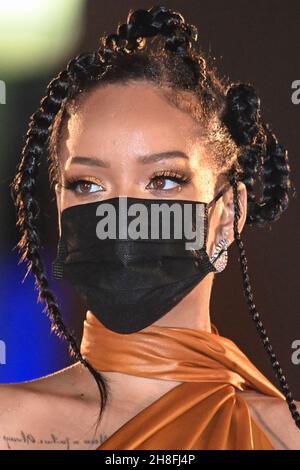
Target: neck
193,310
134,392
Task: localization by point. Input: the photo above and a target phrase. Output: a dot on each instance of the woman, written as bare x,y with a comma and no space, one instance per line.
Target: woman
151,120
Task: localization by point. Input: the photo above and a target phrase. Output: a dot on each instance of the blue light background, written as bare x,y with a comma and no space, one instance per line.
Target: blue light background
32,350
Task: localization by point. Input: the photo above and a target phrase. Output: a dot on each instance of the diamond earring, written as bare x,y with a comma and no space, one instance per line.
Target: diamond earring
219,257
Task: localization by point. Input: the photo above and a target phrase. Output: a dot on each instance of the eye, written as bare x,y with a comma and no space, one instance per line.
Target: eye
84,186
161,182
87,187
166,181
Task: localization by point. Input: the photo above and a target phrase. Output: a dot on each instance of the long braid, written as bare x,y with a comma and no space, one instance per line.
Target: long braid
260,154
23,192
254,313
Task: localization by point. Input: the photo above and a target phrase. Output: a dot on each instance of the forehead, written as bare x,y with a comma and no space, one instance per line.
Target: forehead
134,117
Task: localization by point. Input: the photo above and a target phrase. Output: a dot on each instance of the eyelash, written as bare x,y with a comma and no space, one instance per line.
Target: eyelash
73,182
174,175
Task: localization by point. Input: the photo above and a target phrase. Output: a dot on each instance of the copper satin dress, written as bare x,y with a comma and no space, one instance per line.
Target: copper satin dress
204,412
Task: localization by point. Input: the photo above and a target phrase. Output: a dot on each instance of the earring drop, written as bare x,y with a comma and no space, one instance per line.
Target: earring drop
219,257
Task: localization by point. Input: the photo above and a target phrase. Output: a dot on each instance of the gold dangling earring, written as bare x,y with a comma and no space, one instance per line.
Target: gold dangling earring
219,257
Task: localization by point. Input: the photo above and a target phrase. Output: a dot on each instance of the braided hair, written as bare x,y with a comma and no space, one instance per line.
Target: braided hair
157,45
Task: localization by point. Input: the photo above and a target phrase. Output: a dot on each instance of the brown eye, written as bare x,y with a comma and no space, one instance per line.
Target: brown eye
164,183
159,183
86,187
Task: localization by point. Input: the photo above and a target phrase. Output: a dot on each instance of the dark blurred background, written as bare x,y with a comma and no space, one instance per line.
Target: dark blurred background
253,41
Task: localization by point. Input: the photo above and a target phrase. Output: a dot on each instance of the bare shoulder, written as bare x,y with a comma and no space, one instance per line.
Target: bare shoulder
274,416
35,408
56,383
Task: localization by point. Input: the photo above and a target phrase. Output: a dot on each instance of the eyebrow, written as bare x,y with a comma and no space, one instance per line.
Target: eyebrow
156,157
142,159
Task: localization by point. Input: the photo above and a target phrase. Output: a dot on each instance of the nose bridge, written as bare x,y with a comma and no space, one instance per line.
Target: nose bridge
125,181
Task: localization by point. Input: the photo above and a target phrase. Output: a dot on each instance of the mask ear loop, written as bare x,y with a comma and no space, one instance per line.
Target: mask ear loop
254,313
57,265
207,206
218,195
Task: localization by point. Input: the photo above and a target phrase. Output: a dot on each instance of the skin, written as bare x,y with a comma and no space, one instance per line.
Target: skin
118,124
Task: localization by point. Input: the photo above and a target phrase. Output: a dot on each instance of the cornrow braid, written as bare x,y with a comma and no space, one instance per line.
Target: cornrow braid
254,313
143,24
157,21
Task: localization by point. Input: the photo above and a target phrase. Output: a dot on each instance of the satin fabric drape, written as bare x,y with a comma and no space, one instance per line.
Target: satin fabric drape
205,411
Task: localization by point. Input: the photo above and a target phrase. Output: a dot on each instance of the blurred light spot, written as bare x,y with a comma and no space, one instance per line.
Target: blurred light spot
37,34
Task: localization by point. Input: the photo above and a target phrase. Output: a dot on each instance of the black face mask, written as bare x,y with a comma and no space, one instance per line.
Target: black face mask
129,283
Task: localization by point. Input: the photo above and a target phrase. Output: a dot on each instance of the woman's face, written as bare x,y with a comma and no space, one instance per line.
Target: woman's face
127,140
